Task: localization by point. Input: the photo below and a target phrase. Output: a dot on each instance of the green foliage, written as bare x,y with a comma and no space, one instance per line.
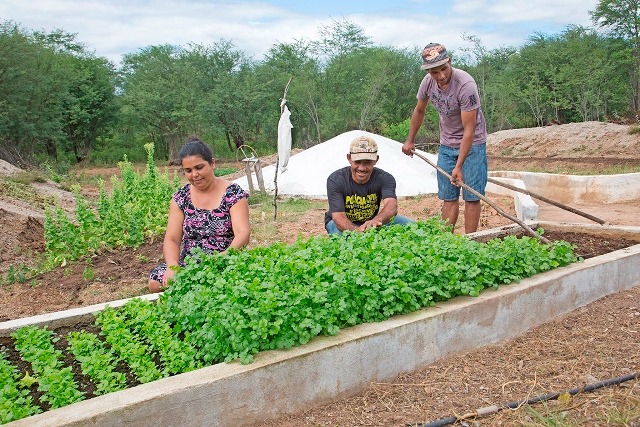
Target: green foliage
428,133
15,402
237,304
27,177
128,346
132,213
88,273
57,98
222,307
397,132
20,274
620,15
147,321
259,197
11,275
224,171
63,105
15,189
97,361
110,151
55,381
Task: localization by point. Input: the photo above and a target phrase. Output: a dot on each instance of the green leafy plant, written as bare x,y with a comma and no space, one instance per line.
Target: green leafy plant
55,381
224,171
127,346
97,361
284,295
15,402
11,275
222,307
129,215
88,273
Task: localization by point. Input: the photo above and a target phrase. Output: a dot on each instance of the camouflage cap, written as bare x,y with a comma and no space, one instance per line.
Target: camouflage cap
363,148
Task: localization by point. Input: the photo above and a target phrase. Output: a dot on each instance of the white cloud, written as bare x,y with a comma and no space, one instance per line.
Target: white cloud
114,27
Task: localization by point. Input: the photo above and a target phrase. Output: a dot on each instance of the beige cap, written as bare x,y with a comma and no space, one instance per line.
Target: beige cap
363,148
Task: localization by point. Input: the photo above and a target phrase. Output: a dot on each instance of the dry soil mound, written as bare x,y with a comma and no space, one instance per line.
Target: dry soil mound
573,140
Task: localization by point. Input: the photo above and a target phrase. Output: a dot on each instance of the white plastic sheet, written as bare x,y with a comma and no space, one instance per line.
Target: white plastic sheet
284,139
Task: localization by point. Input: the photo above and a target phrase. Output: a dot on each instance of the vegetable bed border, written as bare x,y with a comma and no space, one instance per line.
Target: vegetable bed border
336,366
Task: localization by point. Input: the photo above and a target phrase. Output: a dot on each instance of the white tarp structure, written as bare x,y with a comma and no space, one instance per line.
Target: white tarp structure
284,139
308,170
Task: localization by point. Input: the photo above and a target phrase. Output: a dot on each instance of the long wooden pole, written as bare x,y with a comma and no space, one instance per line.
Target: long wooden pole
545,199
526,228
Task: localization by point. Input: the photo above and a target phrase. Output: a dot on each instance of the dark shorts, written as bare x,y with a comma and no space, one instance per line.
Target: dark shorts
474,172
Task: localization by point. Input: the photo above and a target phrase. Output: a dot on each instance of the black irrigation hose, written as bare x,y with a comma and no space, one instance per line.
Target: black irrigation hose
514,404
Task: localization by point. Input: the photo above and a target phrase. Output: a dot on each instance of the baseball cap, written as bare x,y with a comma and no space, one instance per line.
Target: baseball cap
363,148
434,55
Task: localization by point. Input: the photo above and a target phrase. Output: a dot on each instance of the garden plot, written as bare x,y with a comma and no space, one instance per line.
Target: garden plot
334,365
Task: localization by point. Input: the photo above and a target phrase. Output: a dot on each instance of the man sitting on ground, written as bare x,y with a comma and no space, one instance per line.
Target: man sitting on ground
356,192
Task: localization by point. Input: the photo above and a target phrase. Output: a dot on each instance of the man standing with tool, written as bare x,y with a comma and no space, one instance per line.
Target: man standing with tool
463,134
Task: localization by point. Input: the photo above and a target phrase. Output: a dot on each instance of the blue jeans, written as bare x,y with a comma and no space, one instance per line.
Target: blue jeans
398,219
474,172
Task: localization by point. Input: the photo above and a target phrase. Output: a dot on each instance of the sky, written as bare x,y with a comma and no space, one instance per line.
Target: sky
111,28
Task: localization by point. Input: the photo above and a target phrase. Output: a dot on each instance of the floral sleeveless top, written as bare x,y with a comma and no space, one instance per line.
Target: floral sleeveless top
209,230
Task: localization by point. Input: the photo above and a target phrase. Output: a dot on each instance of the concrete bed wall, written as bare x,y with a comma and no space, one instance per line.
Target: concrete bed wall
526,208
328,368
620,188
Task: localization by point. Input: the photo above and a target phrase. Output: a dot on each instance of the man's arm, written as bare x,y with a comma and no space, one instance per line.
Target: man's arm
342,222
417,118
469,124
335,197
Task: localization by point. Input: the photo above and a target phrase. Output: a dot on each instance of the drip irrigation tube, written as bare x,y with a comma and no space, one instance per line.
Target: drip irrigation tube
488,410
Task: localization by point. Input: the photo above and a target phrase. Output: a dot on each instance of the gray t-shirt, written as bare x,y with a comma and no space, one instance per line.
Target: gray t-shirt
360,202
460,95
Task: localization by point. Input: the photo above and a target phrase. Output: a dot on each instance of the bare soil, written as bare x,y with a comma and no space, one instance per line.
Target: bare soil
597,342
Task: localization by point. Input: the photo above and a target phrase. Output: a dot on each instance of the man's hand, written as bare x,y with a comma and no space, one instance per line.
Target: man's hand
408,148
372,223
456,176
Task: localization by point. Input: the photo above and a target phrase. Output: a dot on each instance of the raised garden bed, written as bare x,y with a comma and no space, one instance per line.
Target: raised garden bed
589,245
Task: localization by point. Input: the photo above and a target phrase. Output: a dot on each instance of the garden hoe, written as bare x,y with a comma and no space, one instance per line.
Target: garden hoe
526,228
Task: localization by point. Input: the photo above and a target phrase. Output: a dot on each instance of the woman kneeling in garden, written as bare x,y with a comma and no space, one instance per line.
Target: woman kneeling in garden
209,213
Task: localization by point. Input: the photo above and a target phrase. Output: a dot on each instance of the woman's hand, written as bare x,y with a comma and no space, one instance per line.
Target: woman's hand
168,276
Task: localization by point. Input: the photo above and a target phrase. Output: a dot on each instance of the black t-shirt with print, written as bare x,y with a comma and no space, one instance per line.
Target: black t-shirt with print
360,202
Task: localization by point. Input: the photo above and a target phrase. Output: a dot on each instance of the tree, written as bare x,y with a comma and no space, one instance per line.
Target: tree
294,61
623,18
56,97
340,38
155,97
228,94
89,108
